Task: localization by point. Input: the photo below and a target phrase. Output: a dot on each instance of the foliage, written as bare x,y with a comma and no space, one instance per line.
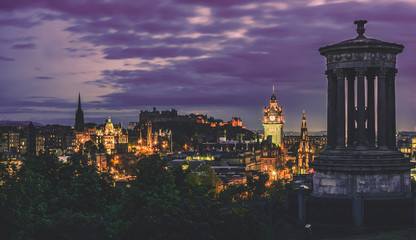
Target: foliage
49,199
91,147
260,204
205,178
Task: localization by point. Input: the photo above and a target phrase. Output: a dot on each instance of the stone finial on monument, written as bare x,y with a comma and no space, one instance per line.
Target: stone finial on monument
360,27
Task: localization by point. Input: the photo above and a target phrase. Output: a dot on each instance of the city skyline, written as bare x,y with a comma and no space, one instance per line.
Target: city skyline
219,58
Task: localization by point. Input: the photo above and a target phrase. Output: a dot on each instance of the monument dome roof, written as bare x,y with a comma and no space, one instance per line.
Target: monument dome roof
361,43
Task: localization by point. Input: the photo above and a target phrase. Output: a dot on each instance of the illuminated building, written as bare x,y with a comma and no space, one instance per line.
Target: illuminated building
304,154
23,145
273,122
236,122
149,139
70,143
10,142
58,137
406,143
40,144
273,161
79,116
113,139
81,139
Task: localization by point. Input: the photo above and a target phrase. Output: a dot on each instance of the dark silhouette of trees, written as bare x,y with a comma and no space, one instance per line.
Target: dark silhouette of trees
48,199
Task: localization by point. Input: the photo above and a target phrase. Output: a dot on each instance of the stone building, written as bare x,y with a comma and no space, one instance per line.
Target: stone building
159,116
273,122
113,138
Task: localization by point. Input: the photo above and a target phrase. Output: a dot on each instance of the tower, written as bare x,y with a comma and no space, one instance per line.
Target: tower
149,138
304,155
109,127
273,122
361,178
31,138
79,116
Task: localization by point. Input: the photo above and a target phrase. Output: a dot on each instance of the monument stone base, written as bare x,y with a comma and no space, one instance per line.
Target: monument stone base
359,188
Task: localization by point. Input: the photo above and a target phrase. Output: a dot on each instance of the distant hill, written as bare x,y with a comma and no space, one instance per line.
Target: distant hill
7,123
310,133
407,133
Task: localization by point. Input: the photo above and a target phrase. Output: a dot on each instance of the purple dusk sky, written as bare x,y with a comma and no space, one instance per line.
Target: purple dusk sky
216,57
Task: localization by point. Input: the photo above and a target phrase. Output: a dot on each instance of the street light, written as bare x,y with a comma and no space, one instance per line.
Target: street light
274,173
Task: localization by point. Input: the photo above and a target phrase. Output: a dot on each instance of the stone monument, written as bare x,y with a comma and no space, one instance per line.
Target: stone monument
361,178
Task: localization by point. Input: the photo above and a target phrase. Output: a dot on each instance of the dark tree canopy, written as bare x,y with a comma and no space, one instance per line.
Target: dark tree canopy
48,199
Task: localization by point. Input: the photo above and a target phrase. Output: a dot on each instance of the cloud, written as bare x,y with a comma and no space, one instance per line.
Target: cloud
216,3
35,105
194,52
18,39
150,53
113,39
24,46
44,78
19,22
6,59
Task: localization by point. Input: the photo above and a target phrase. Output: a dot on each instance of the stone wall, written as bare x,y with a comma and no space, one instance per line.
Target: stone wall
350,184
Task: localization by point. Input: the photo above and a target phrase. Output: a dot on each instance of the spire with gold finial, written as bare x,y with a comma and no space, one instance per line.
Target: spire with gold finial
304,130
273,97
304,119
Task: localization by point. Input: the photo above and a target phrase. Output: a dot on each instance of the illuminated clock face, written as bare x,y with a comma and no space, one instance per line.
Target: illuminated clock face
272,118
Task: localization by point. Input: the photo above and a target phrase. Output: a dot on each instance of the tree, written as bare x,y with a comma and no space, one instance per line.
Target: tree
101,148
49,199
148,201
91,147
255,209
166,204
205,177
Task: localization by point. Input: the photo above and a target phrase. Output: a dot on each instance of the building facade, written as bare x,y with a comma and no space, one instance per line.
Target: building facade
273,122
305,151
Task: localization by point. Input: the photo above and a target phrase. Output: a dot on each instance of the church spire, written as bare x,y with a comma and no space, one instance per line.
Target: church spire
304,119
79,101
79,116
304,151
304,129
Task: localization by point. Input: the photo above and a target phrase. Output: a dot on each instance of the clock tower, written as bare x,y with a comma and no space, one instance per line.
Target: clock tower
273,122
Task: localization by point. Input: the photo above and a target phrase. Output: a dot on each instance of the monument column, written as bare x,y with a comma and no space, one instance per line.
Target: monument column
381,109
351,110
361,138
371,121
331,113
340,119
391,109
